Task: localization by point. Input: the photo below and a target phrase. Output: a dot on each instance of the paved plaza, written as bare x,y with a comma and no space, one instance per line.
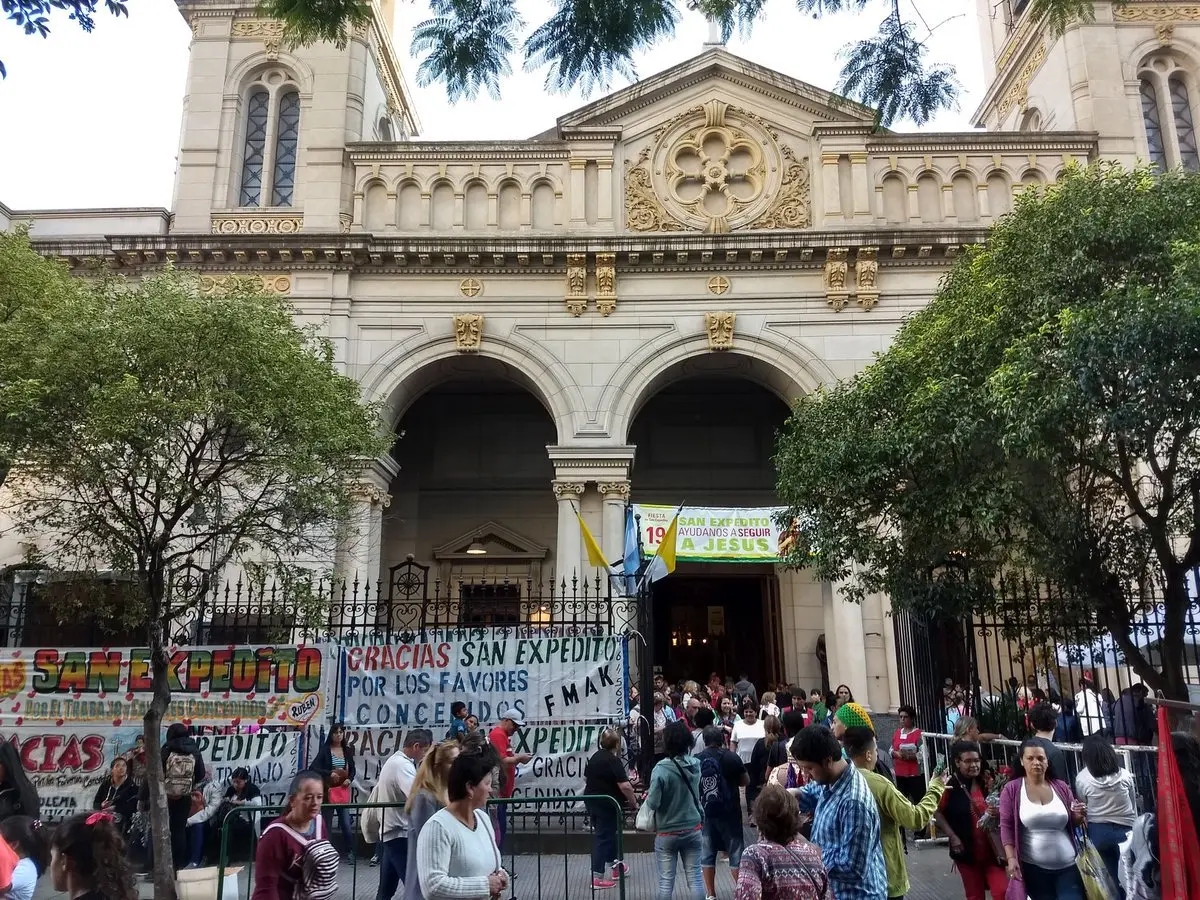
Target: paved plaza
567,878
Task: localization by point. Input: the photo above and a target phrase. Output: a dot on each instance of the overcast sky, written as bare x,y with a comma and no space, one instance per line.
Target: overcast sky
93,120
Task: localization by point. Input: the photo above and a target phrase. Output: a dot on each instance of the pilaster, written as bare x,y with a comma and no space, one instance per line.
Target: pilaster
567,554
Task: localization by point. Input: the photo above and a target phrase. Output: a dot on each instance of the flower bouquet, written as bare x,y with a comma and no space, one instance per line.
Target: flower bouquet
990,820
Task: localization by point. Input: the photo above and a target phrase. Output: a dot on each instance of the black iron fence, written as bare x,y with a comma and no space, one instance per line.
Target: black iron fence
38,608
1036,643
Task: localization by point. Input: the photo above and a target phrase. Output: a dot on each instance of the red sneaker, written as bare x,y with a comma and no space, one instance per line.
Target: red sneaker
599,883
619,869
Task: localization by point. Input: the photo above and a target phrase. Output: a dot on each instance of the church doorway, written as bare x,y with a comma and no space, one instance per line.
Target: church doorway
706,437
721,622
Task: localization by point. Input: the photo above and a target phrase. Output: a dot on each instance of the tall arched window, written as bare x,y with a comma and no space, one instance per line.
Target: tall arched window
271,144
1165,89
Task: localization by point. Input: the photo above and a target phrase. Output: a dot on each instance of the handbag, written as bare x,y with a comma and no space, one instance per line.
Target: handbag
1097,881
339,794
645,818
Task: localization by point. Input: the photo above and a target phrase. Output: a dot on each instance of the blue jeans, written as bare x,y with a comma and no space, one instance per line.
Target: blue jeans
343,817
604,843
1107,838
196,834
1052,884
668,848
393,866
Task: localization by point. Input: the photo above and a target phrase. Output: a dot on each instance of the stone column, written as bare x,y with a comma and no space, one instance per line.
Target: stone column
615,494
577,189
889,651
849,665
360,539
567,554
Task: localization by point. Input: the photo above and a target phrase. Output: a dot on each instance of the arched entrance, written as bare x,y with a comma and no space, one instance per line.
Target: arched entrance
472,499
705,434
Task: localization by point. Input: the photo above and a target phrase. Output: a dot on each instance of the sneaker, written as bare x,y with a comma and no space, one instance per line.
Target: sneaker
619,869
600,883
374,861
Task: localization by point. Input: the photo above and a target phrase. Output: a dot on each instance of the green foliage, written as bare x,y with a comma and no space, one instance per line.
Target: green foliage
1038,417
467,44
152,429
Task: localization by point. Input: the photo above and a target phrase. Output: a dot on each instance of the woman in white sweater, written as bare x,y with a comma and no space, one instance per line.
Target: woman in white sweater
457,856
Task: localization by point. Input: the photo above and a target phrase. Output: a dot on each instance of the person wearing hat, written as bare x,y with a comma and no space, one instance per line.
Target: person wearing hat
853,715
1089,707
499,737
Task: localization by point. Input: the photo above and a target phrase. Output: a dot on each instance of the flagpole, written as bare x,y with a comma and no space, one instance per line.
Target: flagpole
645,605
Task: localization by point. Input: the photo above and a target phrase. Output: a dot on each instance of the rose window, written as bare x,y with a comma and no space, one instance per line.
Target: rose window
714,171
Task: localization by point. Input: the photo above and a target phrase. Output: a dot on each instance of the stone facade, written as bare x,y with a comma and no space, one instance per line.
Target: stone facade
715,221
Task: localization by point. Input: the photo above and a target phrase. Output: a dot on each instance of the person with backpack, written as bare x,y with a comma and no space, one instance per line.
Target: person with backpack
722,775
183,770
295,860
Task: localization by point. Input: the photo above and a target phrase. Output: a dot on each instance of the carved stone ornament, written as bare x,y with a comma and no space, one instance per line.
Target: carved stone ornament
1164,31
866,274
567,490
712,168
212,285
719,326
470,287
718,285
836,268
614,490
370,493
269,31
468,332
606,283
257,223
576,296
1143,12
1018,93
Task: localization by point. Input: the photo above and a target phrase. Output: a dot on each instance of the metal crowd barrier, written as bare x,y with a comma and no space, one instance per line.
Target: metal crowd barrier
546,833
1141,761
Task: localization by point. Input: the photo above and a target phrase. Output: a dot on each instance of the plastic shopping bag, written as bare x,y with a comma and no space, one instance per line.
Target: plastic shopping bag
1098,884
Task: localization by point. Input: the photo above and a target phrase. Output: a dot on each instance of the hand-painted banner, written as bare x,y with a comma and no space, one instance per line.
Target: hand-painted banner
272,757
542,680
67,765
560,753
714,533
209,685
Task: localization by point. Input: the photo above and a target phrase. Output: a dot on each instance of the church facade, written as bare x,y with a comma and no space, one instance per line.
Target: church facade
624,305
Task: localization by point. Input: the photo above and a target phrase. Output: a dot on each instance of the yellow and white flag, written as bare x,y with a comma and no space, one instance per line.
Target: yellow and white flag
594,554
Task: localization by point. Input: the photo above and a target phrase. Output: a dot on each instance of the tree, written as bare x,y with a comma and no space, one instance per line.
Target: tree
467,44
1038,418
33,16
155,431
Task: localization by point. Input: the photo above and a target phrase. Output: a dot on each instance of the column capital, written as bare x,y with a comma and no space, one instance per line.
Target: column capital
567,490
614,491
370,493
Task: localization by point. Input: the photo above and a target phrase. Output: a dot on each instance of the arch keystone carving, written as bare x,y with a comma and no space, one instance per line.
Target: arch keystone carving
468,332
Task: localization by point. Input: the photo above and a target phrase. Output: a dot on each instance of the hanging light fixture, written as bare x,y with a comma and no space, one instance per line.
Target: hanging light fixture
477,548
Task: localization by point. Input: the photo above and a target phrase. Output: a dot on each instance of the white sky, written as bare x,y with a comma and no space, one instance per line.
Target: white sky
93,120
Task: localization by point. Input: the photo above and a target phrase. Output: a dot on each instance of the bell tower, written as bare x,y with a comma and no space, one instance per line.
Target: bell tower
265,126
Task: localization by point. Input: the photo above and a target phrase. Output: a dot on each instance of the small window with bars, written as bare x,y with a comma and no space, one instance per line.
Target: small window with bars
489,604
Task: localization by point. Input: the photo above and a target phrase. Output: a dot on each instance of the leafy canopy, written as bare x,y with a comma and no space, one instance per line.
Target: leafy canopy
150,428
1039,417
467,45
33,16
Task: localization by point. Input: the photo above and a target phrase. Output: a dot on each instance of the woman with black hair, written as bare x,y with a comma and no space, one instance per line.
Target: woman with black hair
118,795
335,763
26,839
1109,793
243,826
87,859
18,796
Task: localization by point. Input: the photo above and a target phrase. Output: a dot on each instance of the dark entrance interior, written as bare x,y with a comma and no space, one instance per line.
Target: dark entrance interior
713,623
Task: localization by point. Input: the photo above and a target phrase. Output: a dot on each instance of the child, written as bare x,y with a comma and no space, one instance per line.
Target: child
87,859
25,837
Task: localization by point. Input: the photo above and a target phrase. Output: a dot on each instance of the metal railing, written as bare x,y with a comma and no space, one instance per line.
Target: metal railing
527,850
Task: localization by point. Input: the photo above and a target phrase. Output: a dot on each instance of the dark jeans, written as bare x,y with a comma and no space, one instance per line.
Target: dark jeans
912,787
501,824
604,841
1052,884
343,817
178,812
393,866
1107,838
196,835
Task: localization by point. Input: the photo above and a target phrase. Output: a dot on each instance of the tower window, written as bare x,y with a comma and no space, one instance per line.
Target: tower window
272,138
1165,90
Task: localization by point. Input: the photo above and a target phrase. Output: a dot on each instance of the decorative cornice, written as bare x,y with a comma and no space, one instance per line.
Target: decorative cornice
218,284
1161,12
257,222
408,151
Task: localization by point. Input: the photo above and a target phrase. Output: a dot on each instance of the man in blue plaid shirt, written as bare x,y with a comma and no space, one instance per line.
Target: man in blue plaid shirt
845,817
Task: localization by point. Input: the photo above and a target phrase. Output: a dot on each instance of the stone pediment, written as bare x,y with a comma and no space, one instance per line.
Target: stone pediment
499,541
713,70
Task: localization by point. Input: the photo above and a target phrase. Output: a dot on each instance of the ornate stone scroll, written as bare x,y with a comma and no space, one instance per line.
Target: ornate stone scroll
836,293
719,326
606,283
791,208
576,296
866,274
468,332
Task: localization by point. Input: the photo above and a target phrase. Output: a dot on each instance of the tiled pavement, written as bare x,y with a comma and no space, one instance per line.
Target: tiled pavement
567,878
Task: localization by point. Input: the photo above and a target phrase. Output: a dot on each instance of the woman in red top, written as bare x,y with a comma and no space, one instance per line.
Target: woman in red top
977,853
906,754
278,860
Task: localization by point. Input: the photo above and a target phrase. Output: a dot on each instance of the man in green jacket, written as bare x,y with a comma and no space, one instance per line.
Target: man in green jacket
895,810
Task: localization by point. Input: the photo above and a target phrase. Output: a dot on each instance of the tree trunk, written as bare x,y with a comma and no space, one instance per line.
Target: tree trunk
1175,602
160,827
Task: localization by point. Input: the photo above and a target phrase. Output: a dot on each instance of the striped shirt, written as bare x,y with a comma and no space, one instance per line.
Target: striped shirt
846,828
